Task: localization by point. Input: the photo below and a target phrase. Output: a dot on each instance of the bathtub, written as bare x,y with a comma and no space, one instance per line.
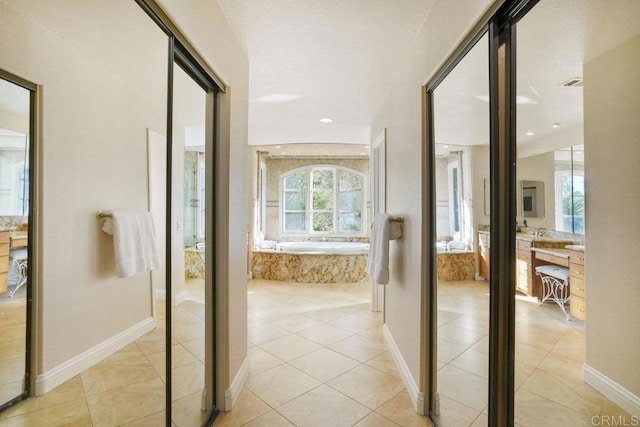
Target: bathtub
325,247
312,262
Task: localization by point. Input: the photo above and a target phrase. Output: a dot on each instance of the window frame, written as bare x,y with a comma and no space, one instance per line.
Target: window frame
336,210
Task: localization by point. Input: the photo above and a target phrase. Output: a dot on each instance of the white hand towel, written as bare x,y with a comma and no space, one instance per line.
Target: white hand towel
378,261
134,242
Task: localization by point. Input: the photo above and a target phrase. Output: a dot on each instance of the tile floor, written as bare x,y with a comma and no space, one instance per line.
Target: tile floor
318,359
550,352
12,343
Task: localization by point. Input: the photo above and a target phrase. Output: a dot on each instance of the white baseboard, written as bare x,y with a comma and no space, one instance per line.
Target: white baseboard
160,294
612,390
180,297
231,394
49,380
417,397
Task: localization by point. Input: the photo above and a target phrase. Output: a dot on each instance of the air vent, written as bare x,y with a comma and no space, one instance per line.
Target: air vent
573,82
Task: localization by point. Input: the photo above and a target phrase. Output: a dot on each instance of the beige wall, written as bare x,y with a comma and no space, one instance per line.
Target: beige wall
400,113
96,107
612,176
538,168
204,24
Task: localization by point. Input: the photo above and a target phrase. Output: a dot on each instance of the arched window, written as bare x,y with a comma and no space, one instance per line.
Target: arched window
323,200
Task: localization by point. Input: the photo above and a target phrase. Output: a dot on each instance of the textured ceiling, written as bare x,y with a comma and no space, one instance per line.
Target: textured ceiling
333,58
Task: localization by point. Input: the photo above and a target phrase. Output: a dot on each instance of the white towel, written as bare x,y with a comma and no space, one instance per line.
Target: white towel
134,242
378,261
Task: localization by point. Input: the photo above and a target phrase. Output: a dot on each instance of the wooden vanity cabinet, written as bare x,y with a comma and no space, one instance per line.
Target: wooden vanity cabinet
524,273
577,285
484,255
4,260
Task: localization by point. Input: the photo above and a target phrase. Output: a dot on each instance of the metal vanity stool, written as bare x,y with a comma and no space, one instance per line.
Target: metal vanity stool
555,285
18,269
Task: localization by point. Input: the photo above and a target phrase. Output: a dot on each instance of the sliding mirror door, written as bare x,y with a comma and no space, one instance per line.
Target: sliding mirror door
461,239
15,284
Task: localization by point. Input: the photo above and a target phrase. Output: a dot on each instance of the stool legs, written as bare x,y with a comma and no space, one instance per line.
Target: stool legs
555,290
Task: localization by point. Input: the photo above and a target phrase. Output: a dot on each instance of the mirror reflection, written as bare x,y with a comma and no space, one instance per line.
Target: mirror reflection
14,260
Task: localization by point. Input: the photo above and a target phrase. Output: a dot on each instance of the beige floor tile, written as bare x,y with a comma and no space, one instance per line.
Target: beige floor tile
481,421
12,349
130,350
325,334
401,411
374,334
475,323
482,346
12,370
262,334
186,411
297,323
454,413
358,322
610,408
128,403
192,331
463,387
187,380
182,316
270,419
529,355
153,341
324,364
195,347
385,363
74,413
447,351
290,347
367,385
323,406
473,361
154,420
532,410
359,348
66,392
463,336
260,360
375,420
281,384
180,357
10,391
561,367
574,394
247,408
109,374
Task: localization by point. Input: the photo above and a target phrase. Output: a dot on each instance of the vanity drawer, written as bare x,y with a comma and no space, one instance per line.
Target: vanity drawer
4,236
577,287
577,270
484,239
524,245
577,308
576,257
4,249
524,256
558,260
4,264
3,283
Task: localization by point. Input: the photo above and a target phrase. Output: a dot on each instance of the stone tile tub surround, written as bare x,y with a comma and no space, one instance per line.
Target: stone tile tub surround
308,267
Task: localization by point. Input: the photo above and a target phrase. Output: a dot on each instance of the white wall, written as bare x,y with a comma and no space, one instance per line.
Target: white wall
205,26
401,113
612,177
103,84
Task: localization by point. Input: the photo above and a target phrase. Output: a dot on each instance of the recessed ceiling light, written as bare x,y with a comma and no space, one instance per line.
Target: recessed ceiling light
530,133
326,120
278,146
367,147
283,152
520,99
556,125
445,146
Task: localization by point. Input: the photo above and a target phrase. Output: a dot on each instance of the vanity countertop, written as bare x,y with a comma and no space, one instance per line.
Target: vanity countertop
575,247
